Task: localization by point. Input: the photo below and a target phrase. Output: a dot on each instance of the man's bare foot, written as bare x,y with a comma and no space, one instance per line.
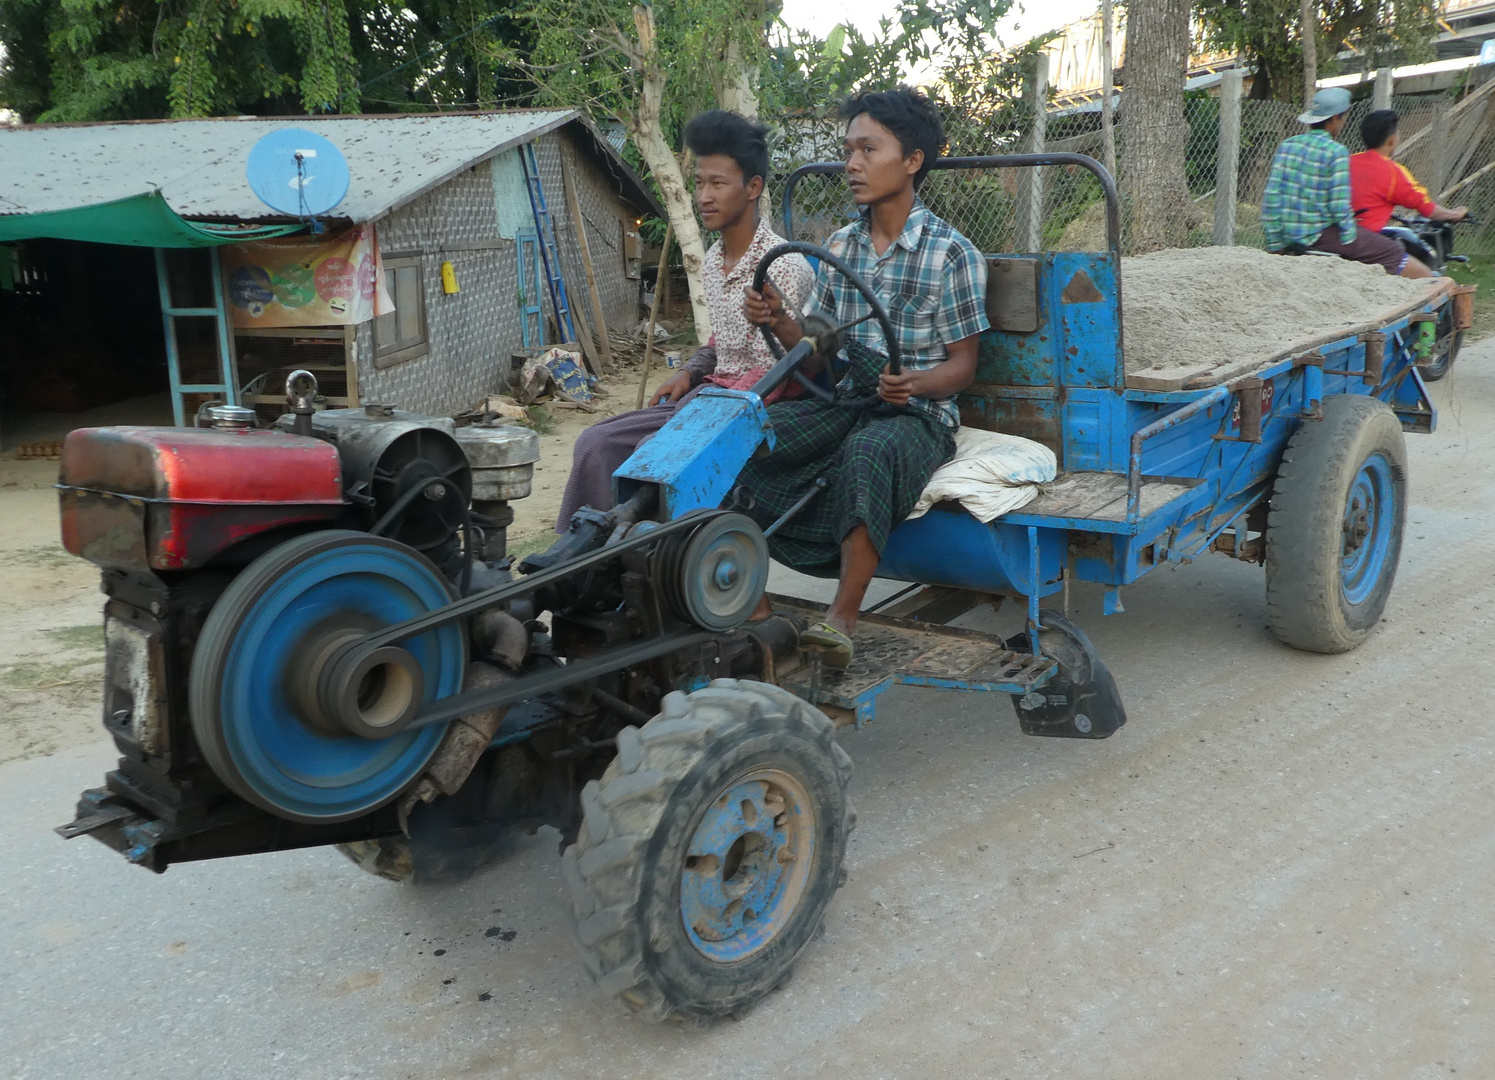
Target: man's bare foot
846,624
762,611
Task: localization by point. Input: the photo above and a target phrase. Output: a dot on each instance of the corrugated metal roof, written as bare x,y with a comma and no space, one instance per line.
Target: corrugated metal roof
198,165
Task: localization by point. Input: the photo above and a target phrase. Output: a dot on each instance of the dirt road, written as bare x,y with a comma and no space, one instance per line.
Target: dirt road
1281,867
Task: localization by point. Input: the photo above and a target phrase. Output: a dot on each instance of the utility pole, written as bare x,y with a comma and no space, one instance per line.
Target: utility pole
1309,21
1107,88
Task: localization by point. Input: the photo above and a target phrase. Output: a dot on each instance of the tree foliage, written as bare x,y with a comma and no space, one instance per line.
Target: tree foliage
72,60
1269,34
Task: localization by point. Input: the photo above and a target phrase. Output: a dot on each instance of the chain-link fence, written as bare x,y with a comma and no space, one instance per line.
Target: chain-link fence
1450,148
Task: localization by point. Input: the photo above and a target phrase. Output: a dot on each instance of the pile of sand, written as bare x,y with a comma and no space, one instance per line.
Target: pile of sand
1194,309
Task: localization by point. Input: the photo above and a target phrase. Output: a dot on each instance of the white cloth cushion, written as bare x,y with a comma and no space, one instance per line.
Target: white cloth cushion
990,475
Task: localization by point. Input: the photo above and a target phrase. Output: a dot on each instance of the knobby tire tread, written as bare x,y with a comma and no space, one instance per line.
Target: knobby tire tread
604,869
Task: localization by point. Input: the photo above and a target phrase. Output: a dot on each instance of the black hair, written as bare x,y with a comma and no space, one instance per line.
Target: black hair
909,115
720,132
1379,126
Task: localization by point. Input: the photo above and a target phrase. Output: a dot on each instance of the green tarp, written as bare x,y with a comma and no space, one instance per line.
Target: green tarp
143,220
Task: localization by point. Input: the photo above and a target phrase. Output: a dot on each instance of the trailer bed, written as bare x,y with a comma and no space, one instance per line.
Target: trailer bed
1098,497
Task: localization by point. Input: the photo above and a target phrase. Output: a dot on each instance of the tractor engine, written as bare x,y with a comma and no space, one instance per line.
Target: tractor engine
175,516
250,573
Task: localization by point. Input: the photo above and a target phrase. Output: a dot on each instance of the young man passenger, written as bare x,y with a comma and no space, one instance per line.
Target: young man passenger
731,170
1379,185
932,281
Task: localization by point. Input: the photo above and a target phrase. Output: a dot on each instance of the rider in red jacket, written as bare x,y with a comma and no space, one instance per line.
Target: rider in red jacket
1378,185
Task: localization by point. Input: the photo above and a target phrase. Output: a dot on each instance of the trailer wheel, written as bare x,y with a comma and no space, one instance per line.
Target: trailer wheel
1334,534
709,850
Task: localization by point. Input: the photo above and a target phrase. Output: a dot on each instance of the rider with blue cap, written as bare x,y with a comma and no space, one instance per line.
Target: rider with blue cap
1306,205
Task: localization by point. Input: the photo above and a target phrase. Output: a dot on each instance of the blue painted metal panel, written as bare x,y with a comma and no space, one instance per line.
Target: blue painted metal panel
1059,383
696,457
1034,412
947,546
1082,290
1095,430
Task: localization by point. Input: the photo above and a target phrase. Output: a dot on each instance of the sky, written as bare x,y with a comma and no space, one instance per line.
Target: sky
1018,26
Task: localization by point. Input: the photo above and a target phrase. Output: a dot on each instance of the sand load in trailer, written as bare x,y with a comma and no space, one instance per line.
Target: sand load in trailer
1198,317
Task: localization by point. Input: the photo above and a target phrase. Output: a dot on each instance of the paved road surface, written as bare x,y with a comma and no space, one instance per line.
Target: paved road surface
1282,867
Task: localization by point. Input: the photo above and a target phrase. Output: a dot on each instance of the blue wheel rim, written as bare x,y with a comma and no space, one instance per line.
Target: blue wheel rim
1366,530
290,767
746,866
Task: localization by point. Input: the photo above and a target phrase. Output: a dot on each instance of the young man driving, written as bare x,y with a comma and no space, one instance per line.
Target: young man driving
731,170
877,460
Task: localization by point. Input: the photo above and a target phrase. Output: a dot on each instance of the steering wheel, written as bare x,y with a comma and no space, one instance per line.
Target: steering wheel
878,312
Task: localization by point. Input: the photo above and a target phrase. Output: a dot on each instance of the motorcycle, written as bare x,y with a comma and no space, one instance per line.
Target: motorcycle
1431,243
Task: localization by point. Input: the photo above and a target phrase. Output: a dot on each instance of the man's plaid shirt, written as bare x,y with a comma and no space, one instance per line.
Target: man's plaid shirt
1307,190
932,281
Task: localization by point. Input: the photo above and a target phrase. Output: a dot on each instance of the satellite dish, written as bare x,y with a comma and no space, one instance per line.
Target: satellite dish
297,172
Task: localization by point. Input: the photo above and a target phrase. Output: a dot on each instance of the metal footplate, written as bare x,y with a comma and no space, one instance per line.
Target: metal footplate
892,651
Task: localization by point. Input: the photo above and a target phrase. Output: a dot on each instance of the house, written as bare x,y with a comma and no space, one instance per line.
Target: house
134,258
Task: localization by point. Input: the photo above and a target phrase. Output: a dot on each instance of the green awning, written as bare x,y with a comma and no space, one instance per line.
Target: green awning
143,220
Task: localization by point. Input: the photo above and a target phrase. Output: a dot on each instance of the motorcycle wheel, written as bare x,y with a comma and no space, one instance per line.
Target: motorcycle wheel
1445,348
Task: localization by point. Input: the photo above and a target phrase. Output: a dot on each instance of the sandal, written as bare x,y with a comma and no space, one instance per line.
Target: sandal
838,650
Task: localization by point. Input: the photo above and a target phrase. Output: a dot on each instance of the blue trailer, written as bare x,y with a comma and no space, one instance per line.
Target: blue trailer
1296,463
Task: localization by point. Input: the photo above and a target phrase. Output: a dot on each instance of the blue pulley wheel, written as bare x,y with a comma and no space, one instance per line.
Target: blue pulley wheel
253,689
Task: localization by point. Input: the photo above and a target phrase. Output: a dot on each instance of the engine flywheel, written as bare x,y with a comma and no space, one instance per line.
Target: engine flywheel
255,672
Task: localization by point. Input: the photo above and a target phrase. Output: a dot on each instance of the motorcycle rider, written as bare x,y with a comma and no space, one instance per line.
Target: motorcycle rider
1306,203
1378,185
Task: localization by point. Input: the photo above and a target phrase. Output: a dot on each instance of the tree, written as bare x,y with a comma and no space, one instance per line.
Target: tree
1152,159
651,67
72,60
75,60
440,54
654,65
1269,34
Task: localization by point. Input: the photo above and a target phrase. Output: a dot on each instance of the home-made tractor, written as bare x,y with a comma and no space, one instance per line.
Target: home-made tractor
315,635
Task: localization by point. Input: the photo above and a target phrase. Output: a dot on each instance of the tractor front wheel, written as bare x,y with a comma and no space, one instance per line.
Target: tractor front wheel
709,850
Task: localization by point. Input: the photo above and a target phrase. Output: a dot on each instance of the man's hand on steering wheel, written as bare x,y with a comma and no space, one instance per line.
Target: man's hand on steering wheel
895,389
766,308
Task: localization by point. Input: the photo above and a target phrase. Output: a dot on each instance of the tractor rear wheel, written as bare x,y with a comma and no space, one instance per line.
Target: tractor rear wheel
709,850
1334,533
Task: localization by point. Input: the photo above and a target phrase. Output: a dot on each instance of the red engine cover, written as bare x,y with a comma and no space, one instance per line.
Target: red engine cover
176,498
